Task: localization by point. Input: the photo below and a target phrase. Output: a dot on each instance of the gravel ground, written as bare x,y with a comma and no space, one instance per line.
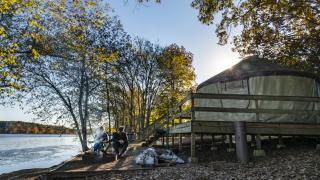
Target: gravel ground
299,160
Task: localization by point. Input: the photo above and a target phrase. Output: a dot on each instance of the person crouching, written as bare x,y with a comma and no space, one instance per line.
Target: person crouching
120,141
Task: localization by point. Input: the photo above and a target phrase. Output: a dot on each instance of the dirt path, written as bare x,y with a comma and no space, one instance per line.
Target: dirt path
107,163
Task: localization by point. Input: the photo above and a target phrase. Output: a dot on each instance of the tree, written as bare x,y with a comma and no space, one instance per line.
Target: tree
118,42
178,75
18,21
287,31
78,66
140,82
148,80
65,80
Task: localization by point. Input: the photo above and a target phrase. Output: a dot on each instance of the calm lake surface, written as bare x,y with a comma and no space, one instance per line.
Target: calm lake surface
22,151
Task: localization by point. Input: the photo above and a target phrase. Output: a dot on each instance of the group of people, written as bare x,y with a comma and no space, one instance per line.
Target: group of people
118,139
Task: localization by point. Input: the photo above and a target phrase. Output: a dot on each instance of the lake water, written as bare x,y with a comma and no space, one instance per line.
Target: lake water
35,151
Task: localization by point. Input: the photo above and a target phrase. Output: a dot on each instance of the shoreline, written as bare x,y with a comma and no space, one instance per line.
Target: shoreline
35,171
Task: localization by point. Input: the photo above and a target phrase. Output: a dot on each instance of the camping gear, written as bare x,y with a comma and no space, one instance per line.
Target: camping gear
147,158
169,156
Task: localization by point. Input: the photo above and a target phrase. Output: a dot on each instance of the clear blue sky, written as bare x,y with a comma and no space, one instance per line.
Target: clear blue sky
172,21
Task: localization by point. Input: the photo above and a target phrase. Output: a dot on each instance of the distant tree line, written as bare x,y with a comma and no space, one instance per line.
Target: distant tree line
73,62
18,127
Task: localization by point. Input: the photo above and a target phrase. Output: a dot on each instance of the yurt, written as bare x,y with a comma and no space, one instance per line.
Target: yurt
257,76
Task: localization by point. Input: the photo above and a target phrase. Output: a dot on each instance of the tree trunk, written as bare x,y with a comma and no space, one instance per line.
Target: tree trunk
108,108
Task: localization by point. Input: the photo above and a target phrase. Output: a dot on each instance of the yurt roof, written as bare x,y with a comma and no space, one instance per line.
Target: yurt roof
254,66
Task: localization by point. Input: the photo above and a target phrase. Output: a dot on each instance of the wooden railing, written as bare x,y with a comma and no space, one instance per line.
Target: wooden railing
165,121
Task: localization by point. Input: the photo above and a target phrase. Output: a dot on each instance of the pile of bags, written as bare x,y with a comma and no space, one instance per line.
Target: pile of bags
150,157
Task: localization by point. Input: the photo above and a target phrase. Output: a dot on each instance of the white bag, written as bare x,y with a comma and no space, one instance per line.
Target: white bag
170,156
147,158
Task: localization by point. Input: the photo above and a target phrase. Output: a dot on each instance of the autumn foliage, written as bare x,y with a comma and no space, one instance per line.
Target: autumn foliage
71,61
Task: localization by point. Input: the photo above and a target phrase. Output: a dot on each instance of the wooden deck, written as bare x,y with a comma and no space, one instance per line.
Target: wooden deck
252,128
182,120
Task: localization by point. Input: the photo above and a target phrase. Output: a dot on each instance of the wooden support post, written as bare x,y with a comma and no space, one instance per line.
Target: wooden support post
318,144
163,141
193,158
212,139
258,142
180,135
230,140
180,142
213,147
258,151
201,141
167,138
241,141
193,144
230,148
280,144
172,135
253,140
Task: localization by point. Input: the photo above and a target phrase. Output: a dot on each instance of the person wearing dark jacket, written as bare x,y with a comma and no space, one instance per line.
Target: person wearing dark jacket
120,141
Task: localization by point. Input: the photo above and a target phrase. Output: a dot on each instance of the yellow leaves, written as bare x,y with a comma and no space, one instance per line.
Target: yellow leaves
10,51
90,3
16,6
2,32
36,37
33,23
61,5
111,57
5,5
104,56
7,58
10,69
14,44
35,53
81,37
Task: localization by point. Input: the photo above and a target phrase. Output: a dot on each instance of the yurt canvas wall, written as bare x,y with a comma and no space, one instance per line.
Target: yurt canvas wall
255,76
